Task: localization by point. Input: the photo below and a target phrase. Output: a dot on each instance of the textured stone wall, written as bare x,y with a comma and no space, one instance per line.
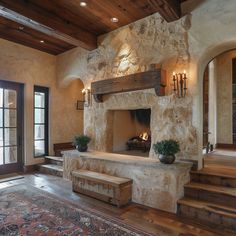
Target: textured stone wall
170,118
189,43
126,51
154,184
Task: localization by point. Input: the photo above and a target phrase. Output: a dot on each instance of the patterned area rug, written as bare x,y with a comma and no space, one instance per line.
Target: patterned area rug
25,210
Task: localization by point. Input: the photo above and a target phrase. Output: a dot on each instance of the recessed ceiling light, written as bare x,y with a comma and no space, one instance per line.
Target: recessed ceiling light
114,19
41,41
21,27
83,4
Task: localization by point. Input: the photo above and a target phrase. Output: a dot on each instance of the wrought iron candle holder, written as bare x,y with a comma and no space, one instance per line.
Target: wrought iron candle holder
86,102
180,84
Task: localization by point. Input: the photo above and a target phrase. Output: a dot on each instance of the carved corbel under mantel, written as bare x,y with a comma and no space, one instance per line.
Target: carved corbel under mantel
155,78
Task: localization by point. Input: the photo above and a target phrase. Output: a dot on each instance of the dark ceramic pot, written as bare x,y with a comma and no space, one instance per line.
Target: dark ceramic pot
166,159
82,148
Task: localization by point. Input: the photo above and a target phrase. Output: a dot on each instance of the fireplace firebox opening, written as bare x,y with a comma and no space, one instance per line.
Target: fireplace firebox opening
131,132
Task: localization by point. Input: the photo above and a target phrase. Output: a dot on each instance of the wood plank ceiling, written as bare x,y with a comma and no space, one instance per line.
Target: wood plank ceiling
55,26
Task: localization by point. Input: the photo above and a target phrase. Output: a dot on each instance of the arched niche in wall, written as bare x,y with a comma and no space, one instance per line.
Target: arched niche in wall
68,117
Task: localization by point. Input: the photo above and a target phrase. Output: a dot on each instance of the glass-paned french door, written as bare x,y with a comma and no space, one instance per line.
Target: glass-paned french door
11,126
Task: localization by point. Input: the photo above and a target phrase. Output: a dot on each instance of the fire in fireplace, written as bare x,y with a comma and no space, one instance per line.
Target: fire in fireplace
141,142
131,132
144,136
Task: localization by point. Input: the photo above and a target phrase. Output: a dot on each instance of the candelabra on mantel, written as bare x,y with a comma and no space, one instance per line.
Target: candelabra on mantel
180,84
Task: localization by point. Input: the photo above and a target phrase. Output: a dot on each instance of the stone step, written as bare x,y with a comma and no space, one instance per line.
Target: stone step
54,160
214,177
51,169
204,212
211,193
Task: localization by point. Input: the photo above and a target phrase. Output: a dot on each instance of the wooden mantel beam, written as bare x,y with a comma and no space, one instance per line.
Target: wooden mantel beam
30,15
144,80
170,10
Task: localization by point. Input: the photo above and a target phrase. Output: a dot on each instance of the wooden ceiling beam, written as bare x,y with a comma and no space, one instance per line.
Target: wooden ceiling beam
30,15
14,32
170,10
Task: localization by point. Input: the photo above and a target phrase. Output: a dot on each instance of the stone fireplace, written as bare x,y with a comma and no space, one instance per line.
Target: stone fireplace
169,118
131,131
154,184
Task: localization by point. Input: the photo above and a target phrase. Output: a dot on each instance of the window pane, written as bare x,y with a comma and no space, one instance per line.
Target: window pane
10,118
10,155
39,149
10,136
1,137
1,156
1,117
40,120
39,99
39,132
1,97
9,98
39,116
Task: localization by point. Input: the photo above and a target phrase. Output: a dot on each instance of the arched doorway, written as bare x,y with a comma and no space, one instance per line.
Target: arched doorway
219,111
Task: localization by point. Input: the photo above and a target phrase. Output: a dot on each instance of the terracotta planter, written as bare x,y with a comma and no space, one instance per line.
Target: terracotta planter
166,159
82,148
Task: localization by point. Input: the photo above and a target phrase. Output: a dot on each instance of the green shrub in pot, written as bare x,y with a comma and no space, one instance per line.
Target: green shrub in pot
166,150
81,142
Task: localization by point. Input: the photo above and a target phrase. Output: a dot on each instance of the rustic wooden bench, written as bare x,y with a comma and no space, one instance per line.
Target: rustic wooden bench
111,189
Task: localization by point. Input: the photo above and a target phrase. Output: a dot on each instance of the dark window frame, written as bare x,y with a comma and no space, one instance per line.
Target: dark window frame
44,90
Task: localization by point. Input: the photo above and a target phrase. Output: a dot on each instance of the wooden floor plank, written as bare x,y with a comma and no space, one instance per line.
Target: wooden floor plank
213,188
156,222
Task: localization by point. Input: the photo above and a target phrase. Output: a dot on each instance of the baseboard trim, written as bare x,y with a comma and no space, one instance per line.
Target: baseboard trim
29,168
225,145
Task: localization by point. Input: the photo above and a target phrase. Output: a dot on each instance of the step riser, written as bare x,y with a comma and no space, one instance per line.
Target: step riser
59,163
215,180
217,198
49,171
203,216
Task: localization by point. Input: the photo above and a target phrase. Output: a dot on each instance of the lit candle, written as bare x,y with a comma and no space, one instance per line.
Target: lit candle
185,84
181,83
174,81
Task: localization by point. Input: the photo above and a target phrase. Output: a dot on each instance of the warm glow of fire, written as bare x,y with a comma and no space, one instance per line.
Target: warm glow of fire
144,136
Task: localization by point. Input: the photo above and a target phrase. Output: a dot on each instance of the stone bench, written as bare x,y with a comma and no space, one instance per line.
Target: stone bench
111,189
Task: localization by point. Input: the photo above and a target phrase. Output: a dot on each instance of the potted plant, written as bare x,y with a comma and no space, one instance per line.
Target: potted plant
166,150
81,142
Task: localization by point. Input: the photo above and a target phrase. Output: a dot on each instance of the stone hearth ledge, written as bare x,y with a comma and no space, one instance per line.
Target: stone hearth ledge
154,184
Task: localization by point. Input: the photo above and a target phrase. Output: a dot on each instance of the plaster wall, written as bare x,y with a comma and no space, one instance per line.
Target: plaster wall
224,98
123,129
32,67
212,138
220,99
